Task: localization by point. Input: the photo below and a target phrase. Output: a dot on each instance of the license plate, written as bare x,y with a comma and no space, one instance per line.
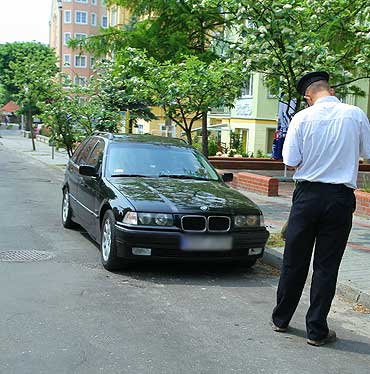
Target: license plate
206,243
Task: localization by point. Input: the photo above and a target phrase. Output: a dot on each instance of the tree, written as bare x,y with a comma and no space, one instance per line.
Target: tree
16,53
117,88
76,113
165,29
284,39
31,82
187,90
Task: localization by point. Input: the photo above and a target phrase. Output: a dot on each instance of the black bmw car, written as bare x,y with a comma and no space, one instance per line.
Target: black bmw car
151,197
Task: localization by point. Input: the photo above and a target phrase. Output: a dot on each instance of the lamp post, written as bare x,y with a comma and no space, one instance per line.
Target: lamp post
60,8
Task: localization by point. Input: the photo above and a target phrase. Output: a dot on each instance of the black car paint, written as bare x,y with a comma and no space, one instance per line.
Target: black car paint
92,196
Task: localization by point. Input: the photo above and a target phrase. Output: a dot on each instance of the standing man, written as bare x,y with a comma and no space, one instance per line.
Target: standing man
324,143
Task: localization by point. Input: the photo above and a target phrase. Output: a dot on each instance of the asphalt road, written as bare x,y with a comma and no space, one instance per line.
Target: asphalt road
68,315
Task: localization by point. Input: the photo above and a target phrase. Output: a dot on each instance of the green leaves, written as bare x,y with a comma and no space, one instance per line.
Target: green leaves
284,39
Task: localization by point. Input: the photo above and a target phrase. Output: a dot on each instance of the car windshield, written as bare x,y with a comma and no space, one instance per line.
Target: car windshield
157,160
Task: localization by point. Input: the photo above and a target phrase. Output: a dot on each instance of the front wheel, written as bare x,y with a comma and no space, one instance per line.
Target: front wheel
108,245
67,211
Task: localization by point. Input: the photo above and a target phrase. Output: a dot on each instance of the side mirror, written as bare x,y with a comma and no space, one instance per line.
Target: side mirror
227,177
87,170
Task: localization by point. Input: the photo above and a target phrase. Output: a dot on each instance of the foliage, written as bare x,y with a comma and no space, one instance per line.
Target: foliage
186,90
25,64
168,29
212,146
235,143
284,39
365,183
118,87
261,154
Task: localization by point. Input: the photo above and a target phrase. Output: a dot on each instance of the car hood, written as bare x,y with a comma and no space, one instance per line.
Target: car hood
182,195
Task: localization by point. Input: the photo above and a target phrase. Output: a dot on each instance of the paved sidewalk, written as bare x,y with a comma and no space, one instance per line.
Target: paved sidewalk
354,275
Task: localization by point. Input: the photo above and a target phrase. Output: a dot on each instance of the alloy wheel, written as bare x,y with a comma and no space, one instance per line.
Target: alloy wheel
106,239
65,206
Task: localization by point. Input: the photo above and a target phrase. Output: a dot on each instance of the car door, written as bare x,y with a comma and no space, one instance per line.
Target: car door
73,177
78,196
89,187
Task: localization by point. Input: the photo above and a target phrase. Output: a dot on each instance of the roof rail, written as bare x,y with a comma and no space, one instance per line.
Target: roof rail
103,133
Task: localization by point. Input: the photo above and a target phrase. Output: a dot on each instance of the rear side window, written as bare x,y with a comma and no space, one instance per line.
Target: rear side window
78,150
97,154
85,152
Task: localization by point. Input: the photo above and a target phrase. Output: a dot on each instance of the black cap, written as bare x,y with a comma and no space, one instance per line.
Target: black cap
310,78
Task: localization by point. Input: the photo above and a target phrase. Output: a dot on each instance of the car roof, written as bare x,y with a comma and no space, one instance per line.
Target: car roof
142,138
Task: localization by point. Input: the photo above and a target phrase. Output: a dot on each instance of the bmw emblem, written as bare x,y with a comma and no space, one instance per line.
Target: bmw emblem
204,208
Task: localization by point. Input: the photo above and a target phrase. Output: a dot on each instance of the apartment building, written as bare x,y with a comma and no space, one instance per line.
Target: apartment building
76,19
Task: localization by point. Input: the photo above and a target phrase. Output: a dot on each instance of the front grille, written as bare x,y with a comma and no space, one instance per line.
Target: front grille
201,223
219,223
194,223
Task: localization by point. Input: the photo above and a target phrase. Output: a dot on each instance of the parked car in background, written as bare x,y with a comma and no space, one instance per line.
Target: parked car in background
144,197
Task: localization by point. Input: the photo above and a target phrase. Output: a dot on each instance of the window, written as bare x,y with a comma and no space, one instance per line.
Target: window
96,155
66,80
67,60
270,133
104,22
92,62
78,150
67,16
93,2
81,17
247,90
140,129
80,61
82,1
83,155
80,36
80,81
67,36
93,19
67,1
113,17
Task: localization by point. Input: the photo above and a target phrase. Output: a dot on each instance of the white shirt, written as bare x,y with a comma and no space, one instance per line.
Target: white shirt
325,142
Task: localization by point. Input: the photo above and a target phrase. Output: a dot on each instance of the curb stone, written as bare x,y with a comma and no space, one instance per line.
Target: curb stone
274,257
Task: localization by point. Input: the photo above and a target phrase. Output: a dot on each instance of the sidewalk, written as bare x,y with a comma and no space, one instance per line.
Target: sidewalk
354,275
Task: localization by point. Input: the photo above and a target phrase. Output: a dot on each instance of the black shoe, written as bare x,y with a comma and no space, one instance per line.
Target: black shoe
330,338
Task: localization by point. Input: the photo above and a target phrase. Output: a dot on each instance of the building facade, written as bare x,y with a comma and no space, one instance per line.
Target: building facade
75,19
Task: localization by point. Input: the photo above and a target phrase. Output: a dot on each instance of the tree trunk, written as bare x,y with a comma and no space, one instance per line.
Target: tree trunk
31,130
188,136
204,135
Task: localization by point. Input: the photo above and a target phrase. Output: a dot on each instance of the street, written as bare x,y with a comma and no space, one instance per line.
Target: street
65,314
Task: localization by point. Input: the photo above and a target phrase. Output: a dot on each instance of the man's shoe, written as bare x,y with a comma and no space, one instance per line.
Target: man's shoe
279,329
330,338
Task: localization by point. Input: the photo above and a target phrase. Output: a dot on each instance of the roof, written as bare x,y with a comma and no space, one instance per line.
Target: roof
11,107
143,138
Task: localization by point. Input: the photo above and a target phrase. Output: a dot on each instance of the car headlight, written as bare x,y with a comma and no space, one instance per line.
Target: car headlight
249,221
148,219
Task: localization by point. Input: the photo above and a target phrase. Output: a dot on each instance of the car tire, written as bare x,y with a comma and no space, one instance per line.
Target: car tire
67,211
108,244
249,263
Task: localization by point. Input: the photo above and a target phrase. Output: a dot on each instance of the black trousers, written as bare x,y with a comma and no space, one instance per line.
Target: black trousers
321,214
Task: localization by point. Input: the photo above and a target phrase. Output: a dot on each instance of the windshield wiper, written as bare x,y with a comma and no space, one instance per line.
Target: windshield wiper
182,176
128,175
